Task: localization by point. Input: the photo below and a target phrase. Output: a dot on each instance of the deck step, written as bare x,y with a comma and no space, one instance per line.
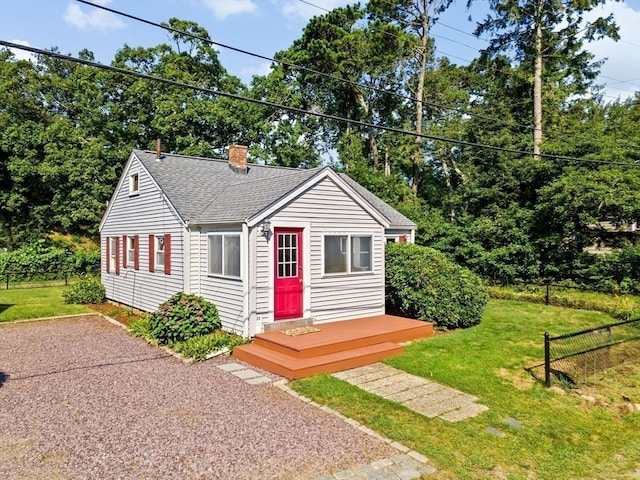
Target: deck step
292,368
340,336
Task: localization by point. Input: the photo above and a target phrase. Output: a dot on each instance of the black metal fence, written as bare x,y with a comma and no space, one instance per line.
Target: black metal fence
579,357
29,279
546,288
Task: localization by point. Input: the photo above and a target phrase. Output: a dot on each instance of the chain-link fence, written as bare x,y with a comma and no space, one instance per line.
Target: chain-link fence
579,357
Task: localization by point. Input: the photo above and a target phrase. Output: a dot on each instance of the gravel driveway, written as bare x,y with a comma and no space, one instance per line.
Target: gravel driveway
79,398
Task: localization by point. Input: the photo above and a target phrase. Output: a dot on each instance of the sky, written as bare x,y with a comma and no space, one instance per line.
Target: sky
268,26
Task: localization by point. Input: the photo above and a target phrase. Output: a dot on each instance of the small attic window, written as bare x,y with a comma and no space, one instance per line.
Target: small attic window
134,184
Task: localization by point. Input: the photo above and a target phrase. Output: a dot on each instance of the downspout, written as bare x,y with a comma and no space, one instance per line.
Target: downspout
247,281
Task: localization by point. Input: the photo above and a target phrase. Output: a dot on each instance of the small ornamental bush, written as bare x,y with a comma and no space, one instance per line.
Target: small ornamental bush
422,283
198,348
87,290
183,317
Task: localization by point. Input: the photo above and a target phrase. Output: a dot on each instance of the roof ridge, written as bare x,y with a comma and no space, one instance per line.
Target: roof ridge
208,159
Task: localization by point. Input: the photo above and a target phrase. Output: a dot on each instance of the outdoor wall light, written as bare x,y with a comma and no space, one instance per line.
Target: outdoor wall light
265,228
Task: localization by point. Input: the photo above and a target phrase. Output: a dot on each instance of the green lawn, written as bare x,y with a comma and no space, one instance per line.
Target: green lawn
24,303
563,436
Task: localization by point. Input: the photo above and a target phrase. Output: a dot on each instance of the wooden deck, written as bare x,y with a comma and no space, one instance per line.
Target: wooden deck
337,346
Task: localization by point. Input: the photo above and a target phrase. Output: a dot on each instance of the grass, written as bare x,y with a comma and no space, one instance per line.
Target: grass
42,302
563,436
619,306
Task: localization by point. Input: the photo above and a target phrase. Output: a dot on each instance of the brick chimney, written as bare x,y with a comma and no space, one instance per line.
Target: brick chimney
238,157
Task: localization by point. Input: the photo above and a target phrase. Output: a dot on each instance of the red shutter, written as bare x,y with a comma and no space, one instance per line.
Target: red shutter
136,252
125,251
167,253
117,255
152,240
402,239
108,255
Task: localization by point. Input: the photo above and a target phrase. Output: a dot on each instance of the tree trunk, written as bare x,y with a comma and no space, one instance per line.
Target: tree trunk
417,154
373,144
387,166
537,86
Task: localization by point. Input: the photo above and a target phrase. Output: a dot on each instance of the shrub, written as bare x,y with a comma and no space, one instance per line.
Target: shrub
140,328
422,283
182,317
87,290
199,347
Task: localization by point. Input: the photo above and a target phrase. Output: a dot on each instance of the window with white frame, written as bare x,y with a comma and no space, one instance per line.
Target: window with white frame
159,251
224,254
113,260
360,254
134,184
347,253
131,250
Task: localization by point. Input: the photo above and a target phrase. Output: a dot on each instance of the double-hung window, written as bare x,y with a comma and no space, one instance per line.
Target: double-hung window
131,250
113,250
224,254
347,253
160,251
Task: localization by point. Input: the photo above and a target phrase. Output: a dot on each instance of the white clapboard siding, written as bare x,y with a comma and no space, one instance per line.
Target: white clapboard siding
226,294
143,214
327,209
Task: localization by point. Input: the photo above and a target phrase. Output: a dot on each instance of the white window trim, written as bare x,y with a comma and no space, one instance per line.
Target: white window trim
159,253
348,248
113,259
132,191
224,234
131,252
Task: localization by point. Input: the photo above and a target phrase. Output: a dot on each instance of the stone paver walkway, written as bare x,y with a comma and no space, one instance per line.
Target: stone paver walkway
398,467
416,393
247,374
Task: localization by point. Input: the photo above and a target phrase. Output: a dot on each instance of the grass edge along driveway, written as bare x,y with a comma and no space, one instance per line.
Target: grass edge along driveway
40,302
563,436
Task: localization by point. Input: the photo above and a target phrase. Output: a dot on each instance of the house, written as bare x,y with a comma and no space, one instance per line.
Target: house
264,244
609,236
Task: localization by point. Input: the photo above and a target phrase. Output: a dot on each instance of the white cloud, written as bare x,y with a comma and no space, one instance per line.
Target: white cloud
225,8
260,69
96,19
621,71
304,11
21,54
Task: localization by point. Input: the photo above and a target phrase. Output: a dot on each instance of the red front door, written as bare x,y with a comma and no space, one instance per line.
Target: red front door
288,273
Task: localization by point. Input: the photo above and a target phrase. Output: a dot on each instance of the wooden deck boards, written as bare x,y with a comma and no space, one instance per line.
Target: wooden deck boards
337,346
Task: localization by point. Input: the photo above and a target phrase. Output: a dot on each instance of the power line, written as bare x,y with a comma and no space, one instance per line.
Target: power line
301,111
306,69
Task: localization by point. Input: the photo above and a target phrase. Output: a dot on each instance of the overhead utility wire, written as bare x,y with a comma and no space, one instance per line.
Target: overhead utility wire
326,116
299,67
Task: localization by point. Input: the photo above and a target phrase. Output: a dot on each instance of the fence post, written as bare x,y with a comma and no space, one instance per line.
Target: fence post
66,278
547,361
546,296
7,280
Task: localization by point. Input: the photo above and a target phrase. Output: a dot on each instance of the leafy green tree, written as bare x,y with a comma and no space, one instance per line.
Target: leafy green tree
547,38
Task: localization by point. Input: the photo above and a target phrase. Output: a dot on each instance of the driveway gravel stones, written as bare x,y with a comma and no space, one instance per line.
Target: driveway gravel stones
81,399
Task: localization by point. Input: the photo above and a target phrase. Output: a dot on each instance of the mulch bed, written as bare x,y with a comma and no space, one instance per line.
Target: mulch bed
124,315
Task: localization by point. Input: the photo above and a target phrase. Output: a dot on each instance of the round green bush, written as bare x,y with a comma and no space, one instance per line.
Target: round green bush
87,290
183,317
422,283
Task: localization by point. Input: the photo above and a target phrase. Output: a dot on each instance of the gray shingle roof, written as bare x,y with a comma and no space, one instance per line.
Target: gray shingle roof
207,190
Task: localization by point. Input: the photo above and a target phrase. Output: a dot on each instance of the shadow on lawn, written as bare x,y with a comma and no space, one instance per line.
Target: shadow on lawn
5,306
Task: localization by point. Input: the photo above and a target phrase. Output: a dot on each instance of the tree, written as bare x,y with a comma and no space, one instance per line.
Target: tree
547,38
414,18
